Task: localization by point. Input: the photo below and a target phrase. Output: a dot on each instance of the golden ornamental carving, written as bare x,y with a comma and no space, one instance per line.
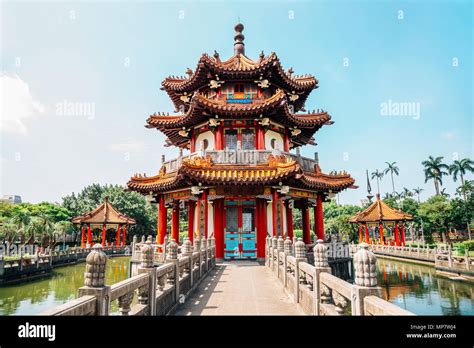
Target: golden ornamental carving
279,161
199,161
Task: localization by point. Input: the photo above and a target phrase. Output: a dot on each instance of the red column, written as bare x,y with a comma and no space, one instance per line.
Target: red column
289,220
89,235
381,233
198,218
117,236
367,239
403,234
274,211
103,234
191,205
306,225
175,222
260,138
395,232
319,217
161,220
82,236
206,213
218,144
219,227
124,235
286,145
361,237
192,145
262,227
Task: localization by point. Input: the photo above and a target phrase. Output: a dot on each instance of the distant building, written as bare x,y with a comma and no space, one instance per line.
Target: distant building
14,199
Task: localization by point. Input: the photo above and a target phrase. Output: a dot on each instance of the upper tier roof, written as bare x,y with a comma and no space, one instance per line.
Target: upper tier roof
380,212
103,214
202,109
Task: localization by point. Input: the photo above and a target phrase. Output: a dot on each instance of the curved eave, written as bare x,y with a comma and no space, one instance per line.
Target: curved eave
325,182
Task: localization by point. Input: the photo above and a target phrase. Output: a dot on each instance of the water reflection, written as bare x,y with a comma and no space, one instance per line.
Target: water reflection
39,295
419,289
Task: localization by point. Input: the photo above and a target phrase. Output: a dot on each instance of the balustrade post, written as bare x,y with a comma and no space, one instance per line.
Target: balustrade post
274,252
280,249
300,256
187,250
172,257
468,262
94,280
321,265
365,279
147,294
204,248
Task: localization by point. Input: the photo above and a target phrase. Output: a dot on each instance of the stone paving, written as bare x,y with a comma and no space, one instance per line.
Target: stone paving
239,288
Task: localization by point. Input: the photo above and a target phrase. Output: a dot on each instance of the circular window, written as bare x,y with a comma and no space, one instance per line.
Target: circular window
273,143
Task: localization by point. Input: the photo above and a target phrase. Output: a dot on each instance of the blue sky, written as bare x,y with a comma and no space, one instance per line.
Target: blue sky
112,57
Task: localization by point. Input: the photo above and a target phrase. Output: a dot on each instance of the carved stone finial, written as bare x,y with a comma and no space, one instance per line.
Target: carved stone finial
364,264
172,250
96,263
274,243
197,244
187,247
280,244
146,255
320,254
300,249
203,243
149,239
142,240
288,246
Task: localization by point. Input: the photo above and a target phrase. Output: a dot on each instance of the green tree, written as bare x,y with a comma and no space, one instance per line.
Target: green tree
434,170
392,169
461,168
377,175
436,213
417,191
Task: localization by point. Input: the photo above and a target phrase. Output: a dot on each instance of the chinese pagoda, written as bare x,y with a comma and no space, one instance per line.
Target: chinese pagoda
240,118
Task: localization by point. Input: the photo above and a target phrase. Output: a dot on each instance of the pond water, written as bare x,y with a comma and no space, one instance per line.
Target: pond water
418,289
34,297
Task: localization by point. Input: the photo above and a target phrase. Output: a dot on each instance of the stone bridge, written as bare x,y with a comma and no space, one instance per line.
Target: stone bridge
173,280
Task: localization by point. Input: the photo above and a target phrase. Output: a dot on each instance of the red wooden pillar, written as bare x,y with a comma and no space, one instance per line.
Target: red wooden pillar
124,235
381,233
367,238
260,138
82,236
192,143
218,138
319,217
117,236
162,220
289,220
403,234
191,206
175,222
89,235
274,212
286,144
206,213
361,237
395,232
198,217
306,224
103,234
262,227
219,227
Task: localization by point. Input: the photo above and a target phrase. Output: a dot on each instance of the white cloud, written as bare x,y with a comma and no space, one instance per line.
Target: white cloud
16,104
128,145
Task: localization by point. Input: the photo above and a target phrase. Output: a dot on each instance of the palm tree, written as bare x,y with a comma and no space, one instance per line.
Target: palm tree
460,168
392,169
417,191
62,228
435,169
407,193
21,220
377,175
444,193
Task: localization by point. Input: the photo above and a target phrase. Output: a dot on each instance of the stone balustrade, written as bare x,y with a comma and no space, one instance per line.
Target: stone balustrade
318,292
154,288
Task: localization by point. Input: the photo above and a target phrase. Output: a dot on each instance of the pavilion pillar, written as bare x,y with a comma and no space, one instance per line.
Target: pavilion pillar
82,236
191,206
289,220
218,137
361,237
175,222
274,211
198,218
206,214
219,227
261,227
395,232
161,220
319,217
103,234
192,145
117,236
403,234
367,238
381,232
306,224
89,235
260,138
124,235
286,144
